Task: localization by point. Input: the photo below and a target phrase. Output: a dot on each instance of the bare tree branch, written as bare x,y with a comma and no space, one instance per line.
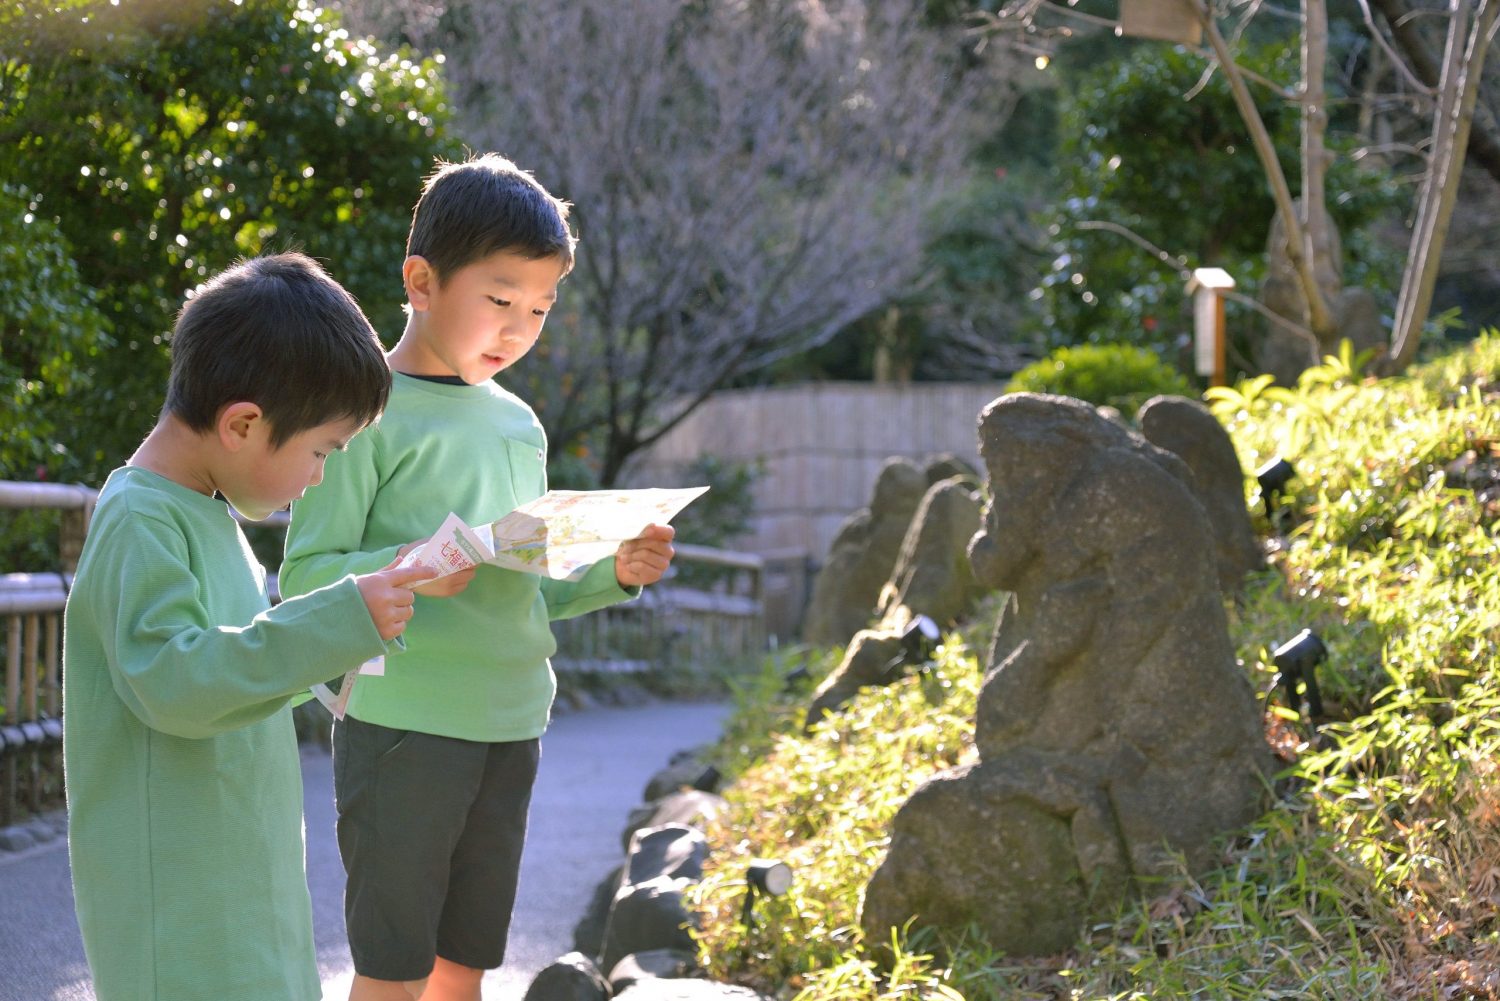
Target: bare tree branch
1458,90
1181,264
1426,65
747,178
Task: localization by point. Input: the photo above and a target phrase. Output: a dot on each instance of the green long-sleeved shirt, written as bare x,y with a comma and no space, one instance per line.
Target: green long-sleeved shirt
475,665
184,784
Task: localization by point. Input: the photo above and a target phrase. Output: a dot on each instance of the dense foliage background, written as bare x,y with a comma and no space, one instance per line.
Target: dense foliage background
1081,175
149,145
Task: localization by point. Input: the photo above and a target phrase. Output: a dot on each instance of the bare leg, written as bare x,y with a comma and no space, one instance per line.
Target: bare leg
369,989
451,982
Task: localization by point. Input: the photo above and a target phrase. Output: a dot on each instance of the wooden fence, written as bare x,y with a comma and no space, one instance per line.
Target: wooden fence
818,449
711,611
32,603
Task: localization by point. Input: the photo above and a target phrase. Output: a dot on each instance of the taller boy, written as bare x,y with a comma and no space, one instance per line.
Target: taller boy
434,763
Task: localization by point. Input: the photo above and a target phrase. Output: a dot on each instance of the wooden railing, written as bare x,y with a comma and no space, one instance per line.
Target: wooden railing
31,643
709,612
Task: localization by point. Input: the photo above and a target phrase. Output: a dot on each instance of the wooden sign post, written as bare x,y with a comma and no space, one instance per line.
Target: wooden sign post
1207,288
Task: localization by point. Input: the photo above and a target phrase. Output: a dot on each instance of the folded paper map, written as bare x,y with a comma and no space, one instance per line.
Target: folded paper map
559,535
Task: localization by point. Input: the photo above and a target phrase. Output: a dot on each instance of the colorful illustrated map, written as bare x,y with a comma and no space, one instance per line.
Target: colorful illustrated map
559,535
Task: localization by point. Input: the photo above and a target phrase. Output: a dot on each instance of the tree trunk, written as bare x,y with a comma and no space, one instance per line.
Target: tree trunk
1463,65
1318,246
1319,314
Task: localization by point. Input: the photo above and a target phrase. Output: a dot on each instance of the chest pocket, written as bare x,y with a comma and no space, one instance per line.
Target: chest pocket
528,468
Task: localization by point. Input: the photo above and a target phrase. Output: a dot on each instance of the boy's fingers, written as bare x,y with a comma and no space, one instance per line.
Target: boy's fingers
409,575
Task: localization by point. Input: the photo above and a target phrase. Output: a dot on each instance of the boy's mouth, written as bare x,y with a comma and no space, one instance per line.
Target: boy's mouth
493,359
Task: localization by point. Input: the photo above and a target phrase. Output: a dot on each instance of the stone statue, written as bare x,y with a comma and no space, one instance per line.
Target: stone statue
1115,731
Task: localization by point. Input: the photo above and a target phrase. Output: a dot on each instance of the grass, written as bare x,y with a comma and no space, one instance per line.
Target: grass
1376,873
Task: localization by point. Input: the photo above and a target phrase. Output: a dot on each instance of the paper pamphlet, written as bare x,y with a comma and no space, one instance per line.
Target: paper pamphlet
559,535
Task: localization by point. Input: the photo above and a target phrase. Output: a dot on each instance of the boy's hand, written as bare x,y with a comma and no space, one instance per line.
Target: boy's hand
388,595
443,587
644,559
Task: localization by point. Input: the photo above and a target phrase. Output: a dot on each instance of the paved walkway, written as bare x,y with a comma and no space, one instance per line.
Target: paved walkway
595,764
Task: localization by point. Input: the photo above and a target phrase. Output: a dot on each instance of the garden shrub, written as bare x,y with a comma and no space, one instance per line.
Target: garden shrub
1114,375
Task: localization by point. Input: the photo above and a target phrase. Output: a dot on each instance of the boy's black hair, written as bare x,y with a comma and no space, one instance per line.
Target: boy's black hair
278,332
484,205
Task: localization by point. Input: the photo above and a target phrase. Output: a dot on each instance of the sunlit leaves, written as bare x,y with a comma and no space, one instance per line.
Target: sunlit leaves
165,141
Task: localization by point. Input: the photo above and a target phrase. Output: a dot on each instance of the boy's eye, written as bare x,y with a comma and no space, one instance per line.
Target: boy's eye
320,455
539,312
499,302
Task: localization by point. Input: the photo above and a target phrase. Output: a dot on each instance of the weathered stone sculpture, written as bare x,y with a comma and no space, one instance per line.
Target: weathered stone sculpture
859,562
1114,729
1283,351
1187,429
932,577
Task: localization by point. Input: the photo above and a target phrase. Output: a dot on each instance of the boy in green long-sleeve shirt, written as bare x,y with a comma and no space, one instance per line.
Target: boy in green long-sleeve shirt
435,760
184,785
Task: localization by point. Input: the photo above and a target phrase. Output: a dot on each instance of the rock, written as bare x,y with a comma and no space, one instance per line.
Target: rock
932,575
859,562
1189,430
673,850
588,933
646,916
654,964
648,911
870,659
1020,853
16,838
688,990
572,977
945,466
690,807
687,770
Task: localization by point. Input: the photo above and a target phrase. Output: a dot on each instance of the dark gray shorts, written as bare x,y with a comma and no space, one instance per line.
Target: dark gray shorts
430,830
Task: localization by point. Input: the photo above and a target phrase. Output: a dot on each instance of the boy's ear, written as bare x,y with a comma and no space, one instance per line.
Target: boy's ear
419,277
237,423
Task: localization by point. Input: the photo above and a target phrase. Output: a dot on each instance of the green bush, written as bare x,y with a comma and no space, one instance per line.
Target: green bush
1114,375
158,143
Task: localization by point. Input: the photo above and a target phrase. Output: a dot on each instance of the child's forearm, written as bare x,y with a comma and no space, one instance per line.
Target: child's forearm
306,569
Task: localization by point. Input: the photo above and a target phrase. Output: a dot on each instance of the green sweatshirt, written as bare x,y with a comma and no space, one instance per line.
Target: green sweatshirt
475,665
184,784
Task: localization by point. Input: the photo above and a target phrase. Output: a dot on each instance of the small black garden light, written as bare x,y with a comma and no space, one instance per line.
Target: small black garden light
921,638
918,642
768,876
1273,478
1297,660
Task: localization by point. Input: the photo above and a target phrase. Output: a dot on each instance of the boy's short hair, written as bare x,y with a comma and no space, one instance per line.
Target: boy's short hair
481,206
278,332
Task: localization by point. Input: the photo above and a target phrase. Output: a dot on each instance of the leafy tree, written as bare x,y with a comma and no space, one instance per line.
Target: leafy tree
748,179
162,141
51,332
1314,259
1153,156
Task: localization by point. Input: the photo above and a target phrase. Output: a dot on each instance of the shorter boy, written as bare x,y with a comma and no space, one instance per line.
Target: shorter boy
184,785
